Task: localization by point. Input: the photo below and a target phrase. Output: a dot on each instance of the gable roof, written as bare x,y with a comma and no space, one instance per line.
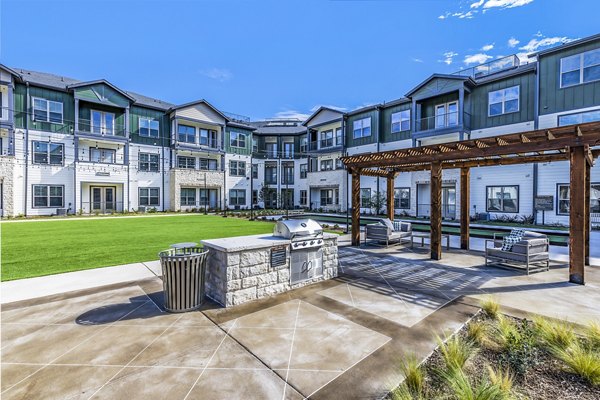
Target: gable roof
322,108
101,81
201,101
10,71
439,76
568,45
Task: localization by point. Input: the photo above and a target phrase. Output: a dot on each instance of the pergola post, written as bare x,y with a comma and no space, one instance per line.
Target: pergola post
588,172
355,207
465,205
436,210
577,212
390,196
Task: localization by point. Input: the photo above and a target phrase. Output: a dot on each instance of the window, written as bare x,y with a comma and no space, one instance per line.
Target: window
207,164
503,199
103,123
188,197
326,165
326,197
303,197
104,156
503,101
149,162
338,137
365,197
271,150
303,171
48,196
255,197
186,134
579,118
48,153
237,139
254,171
149,197
563,198
402,198
237,168
337,196
401,121
149,127
339,164
326,139
186,162
254,145
47,111
208,138
362,128
288,174
288,150
237,197
580,68
303,144
446,115
270,174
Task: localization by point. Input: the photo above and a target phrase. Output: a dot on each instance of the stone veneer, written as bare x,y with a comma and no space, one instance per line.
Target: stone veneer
181,177
7,171
239,269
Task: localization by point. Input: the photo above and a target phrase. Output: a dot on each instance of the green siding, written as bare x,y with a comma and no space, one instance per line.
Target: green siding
135,113
109,95
236,150
553,99
436,87
386,134
20,104
428,106
350,141
479,102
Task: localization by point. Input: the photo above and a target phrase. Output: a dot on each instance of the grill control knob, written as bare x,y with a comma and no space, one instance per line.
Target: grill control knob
312,242
303,243
319,241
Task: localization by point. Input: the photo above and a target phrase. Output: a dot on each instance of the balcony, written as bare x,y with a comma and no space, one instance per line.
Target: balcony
86,127
442,124
491,67
324,145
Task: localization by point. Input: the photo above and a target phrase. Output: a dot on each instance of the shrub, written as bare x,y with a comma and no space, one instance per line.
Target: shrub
463,389
581,361
519,345
402,393
592,335
554,333
456,351
414,377
502,379
491,307
476,331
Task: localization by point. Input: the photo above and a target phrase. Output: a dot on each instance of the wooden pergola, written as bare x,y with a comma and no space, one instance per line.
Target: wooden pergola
572,143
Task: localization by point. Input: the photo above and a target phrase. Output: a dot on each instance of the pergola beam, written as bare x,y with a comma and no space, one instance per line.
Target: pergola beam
436,211
355,207
577,211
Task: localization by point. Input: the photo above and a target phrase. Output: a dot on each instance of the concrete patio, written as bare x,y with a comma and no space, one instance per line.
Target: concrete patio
338,339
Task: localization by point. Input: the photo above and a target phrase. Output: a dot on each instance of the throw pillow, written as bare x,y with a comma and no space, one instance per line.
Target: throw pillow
509,241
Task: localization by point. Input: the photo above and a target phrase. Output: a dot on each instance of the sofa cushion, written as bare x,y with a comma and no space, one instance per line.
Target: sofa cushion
537,245
402,226
388,223
531,235
517,257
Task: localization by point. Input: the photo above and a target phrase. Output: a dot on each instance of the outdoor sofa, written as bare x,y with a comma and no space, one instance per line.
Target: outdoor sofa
387,231
530,254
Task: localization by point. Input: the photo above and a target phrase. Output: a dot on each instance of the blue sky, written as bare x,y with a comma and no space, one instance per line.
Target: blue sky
277,58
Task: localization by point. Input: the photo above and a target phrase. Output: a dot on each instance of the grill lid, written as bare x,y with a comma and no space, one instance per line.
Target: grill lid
295,228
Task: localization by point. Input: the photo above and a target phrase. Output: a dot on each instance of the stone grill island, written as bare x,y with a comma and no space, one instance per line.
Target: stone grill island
246,268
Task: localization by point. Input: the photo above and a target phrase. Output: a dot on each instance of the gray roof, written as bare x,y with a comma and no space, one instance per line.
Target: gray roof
277,127
520,69
570,44
62,83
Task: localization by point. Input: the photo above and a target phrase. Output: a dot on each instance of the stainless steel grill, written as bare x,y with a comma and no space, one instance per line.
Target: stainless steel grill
306,242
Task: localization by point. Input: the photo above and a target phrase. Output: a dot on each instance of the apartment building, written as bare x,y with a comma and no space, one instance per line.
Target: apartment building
69,146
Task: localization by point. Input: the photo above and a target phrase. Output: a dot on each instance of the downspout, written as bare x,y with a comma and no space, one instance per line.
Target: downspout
536,123
127,133
75,155
378,109
162,169
27,116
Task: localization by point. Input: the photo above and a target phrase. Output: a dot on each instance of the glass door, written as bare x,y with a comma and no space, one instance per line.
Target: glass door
448,202
103,123
97,199
109,199
452,114
440,116
103,199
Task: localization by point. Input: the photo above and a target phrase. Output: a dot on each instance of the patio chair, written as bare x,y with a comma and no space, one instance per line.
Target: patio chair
530,254
388,231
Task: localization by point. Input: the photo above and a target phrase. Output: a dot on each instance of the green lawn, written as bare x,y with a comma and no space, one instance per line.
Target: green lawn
39,248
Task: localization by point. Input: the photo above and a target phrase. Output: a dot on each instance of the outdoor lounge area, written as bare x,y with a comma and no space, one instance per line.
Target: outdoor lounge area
339,338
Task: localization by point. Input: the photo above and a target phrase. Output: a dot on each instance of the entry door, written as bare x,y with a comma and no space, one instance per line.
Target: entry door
446,115
103,199
448,202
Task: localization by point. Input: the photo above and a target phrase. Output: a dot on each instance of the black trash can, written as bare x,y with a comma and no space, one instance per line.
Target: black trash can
183,272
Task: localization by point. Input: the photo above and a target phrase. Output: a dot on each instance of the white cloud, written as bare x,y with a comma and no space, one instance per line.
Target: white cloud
478,58
444,16
487,47
506,3
417,60
477,4
448,57
218,74
512,42
292,114
535,44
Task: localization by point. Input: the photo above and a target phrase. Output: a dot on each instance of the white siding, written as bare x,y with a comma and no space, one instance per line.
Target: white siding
201,112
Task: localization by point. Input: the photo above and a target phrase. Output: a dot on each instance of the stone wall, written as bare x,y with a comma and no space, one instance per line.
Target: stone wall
193,178
7,171
234,278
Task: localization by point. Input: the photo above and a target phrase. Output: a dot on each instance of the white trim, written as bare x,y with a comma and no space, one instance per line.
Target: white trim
400,121
150,120
62,116
102,127
503,102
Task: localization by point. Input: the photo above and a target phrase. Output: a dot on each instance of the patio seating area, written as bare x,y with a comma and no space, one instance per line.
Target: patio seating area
340,338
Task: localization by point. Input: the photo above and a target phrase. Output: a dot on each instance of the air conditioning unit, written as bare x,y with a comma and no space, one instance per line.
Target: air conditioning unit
61,211
142,209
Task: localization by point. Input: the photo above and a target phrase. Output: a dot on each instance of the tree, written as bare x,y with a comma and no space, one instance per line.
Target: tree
378,202
265,194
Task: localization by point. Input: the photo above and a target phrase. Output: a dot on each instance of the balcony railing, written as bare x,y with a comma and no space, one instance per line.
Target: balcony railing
204,142
443,121
322,145
490,67
87,126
